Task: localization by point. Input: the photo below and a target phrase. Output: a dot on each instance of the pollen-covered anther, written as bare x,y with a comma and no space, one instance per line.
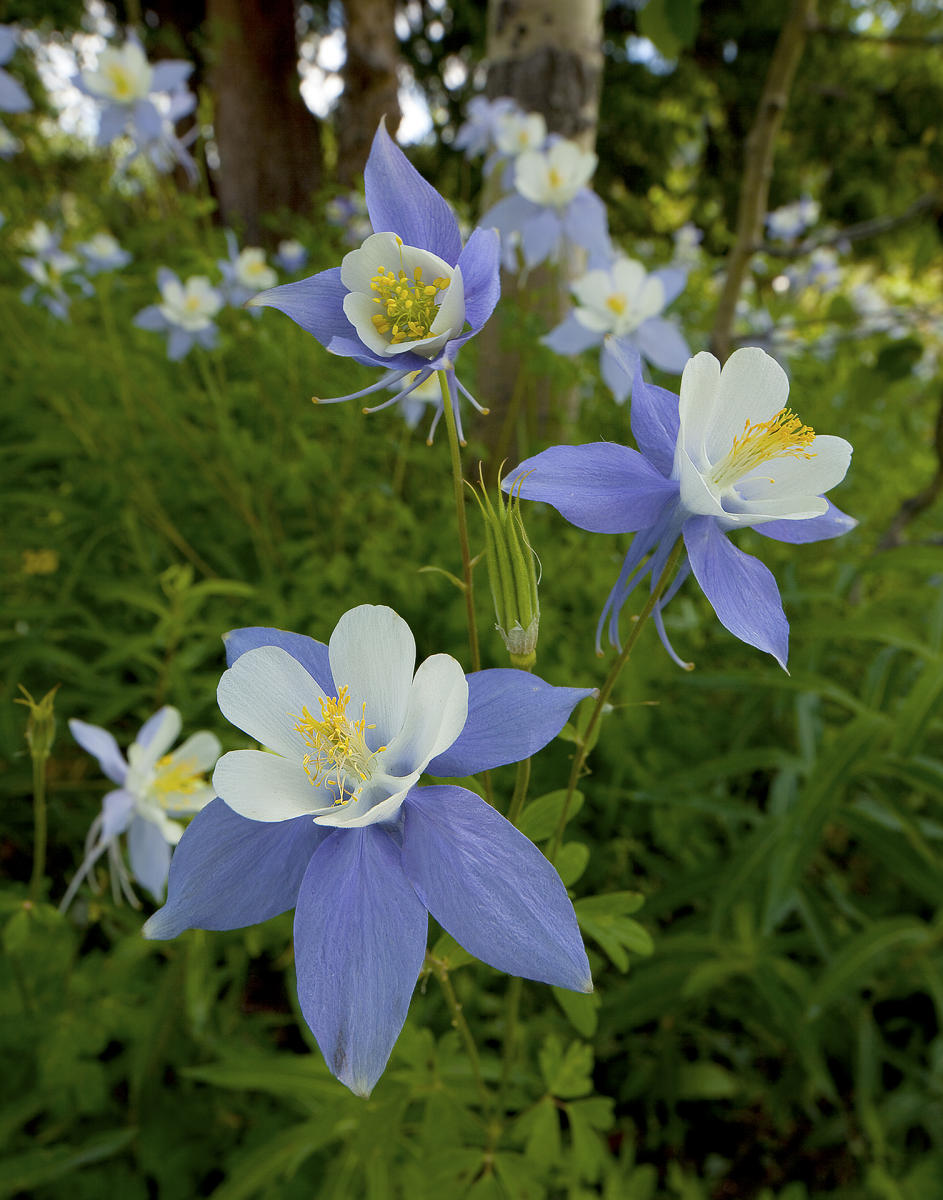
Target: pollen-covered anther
411,304
341,753
782,436
181,778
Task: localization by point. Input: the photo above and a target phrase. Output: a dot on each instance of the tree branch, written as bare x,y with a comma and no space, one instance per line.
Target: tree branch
758,165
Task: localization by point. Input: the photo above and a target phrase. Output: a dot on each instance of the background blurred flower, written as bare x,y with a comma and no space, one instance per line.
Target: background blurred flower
478,133
244,272
185,313
155,785
13,96
291,255
50,274
619,309
102,252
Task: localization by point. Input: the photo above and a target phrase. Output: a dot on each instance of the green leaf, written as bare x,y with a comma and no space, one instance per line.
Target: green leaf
540,818
581,1009
566,1074
278,1158
35,1168
451,953
605,919
571,861
856,963
706,1080
542,1127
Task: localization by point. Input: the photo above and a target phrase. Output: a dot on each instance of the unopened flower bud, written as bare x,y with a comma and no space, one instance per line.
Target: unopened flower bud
512,574
40,724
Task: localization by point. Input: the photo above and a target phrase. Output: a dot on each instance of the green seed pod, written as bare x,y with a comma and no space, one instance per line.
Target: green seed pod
512,574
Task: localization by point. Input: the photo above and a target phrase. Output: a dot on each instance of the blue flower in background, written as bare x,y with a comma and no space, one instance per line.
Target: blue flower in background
478,133
291,255
411,296
727,455
244,272
185,313
102,252
13,96
619,307
155,786
50,272
333,824
792,220
552,206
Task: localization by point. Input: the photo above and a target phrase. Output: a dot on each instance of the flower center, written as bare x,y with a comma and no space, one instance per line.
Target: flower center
340,747
122,85
782,436
617,303
408,306
181,778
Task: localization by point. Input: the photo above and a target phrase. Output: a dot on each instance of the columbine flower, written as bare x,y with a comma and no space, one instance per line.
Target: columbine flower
332,823
478,133
40,240
102,252
291,255
414,406
244,272
50,274
155,786
185,313
411,296
792,220
729,454
349,212
13,96
619,308
142,101
552,204
516,132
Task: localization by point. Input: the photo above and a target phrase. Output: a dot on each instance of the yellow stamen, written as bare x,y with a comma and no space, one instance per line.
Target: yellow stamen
411,305
616,303
341,753
180,778
783,436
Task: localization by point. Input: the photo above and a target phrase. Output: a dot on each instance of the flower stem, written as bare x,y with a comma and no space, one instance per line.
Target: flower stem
39,828
459,489
521,783
579,759
441,973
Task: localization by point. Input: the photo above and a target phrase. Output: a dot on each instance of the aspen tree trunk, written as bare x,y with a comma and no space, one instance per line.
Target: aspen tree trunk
546,55
371,83
269,143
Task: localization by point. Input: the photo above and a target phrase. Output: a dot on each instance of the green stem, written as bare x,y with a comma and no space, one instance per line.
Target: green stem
458,1020
521,783
579,759
39,828
512,1011
459,490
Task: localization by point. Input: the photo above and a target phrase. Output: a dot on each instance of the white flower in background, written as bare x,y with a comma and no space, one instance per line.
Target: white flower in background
40,240
617,301
291,255
122,75
477,134
515,132
156,786
185,313
792,220
552,178
244,272
620,307
191,305
49,274
102,252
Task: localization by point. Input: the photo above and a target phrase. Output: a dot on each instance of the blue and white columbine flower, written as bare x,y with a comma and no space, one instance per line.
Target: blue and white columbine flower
333,824
727,455
477,135
792,220
141,100
552,205
155,787
244,272
291,255
49,274
13,96
102,252
619,307
185,313
411,296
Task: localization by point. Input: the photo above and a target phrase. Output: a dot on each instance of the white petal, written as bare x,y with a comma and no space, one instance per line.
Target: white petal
201,749
700,383
373,652
753,388
591,318
164,736
371,806
651,299
359,266
267,787
360,310
263,692
794,508
628,275
697,497
435,716
592,288
451,315
781,477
